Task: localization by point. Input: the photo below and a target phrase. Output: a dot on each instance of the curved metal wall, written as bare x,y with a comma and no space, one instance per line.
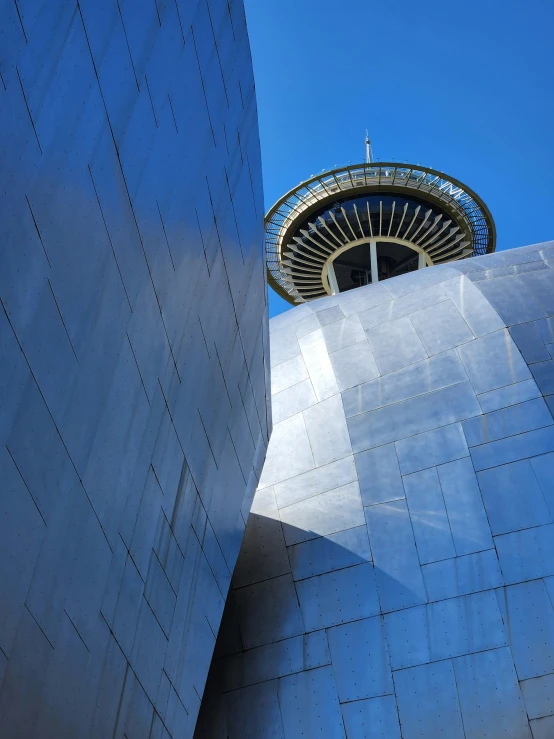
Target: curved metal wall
133,334
396,578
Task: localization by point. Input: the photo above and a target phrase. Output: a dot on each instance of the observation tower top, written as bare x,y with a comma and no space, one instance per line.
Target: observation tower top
368,222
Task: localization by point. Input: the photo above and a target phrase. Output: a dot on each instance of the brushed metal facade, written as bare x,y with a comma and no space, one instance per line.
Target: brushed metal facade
396,578
133,346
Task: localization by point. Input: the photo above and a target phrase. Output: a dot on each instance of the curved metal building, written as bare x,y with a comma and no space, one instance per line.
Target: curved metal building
396,578
133,411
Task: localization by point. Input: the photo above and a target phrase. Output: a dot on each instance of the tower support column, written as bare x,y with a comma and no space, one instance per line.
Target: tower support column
373,259
333,284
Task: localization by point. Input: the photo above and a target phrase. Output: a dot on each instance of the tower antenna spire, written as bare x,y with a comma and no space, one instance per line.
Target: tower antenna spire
367,148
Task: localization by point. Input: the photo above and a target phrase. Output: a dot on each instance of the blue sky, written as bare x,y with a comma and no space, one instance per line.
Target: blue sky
466,88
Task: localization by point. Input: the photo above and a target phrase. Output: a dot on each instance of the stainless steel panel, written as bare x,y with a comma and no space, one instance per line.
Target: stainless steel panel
545,327
360,659
288,373
67,668
428,701
310,706
378,315
178,720
549,582
531,617
542,467
318,364
395,345
331,552
489,695
529,343
338,597
526,555
379,475
403,306
46,472
538,695
543,372
442,328
516,419
423,413
474,307
289,441
307,325
342,334
148,653
375,718
416,379
110,691
444,629
359,300
324,478
434,447
504,397
283,345
512,299
354,365
169,553
407,637
327,431
14,377
414,282
263,553
290,317
23,682
542,728
264,663
336,510
19,512
513,498
493,361
330,315
254,713
515,269
146,524
215,557
269,611
512,449
397,569
468,521
539,284
316,650
428,516
293,400
471,573
471,623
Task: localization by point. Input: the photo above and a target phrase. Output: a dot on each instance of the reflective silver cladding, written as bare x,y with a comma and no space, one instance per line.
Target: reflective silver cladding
417,506
134,357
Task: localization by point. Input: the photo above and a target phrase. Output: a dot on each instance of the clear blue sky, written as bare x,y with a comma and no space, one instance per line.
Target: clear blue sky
463,87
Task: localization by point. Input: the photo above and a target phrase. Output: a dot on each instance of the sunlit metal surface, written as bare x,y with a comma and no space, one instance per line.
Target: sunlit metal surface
396,578
133,354
429,213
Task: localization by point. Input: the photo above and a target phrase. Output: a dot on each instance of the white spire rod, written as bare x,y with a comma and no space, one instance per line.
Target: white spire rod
367,148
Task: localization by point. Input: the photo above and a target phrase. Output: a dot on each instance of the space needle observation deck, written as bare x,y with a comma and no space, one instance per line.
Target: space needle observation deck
367,222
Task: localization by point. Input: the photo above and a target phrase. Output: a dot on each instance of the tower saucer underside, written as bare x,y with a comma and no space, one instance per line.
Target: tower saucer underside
368,222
